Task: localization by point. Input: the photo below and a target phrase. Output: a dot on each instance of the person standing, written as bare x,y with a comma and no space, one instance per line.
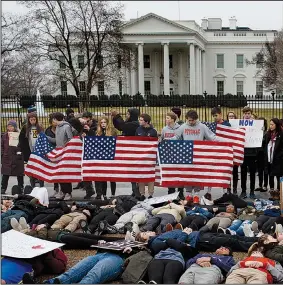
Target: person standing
178,112
250,156
273,153
105,129
11,158
63,134
146,130
27,139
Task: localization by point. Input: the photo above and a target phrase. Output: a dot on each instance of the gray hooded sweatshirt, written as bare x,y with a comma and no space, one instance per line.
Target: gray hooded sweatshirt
197,132
63,134
169,132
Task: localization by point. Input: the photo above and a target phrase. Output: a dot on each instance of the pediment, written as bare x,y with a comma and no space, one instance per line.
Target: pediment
240,75
220,76
154,24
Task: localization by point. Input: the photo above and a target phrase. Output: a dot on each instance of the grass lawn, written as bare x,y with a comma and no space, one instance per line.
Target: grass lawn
157,114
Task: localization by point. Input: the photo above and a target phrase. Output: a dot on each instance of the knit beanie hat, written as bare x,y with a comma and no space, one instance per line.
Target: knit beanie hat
177,111
13,123
31,109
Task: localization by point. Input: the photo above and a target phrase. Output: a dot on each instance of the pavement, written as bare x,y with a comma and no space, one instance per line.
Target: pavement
126,189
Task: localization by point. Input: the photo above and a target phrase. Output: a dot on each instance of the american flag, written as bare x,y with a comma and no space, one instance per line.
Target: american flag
119,159
55,164
236,136
195,163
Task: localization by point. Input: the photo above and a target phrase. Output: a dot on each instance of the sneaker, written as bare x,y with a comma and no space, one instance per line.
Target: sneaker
68,197
221,230
60,195
235,192
89,194
254,227
230,232
111,229
152,282
178,227
204,201
208,196
278,229
260,189
264,189
15,225
142,198
248,230
23,223
28,279
168,228
196,200
141,282
243,195
149,197
252,195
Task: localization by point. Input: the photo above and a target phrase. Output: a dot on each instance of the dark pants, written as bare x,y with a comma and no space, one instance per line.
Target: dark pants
165,271
33,181
56,186
262,176
197,220
172,190
161,219
249,162
66,188
5,179
212,241
135,189
101,188
265,223
271,179
87,185
44,219
105,215
7,216
234,199
235,177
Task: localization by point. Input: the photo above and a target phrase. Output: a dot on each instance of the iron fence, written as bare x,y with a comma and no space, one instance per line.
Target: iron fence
156,106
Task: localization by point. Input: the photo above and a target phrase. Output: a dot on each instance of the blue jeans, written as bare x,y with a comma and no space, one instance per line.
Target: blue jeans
238,226
96,269
7,216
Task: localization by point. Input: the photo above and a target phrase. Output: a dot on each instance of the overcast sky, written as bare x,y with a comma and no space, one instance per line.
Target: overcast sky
264,15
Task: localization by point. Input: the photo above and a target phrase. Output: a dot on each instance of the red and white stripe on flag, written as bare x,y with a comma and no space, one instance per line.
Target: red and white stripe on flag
236,136
64,165
134,161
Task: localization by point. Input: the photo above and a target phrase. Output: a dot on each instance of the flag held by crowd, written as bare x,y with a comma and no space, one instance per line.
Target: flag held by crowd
62,165
195,163
119,159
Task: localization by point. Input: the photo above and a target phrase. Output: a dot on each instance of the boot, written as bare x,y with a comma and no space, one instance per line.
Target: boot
89,193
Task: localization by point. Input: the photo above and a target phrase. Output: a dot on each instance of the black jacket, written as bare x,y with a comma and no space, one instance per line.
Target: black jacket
49,133
276,253
92,130
146,132
124,204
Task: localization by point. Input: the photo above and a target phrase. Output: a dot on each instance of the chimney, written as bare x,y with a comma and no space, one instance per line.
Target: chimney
233,23
204,23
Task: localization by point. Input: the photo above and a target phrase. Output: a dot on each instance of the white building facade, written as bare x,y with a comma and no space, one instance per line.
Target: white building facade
181,57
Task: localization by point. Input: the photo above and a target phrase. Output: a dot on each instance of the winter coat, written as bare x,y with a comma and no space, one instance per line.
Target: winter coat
128,127
277,163
170,254
92,130
275,253
24,144
124,204
146,132
12,163
201,212
50,134
62,135
173,209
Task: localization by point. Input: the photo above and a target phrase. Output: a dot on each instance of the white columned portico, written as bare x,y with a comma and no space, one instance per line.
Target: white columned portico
156,74
128,88
141,68
180,74
166,69
203,69
192,69
134,73
200,71
197,69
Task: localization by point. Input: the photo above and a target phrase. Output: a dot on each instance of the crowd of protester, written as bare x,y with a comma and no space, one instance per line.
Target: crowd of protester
177,235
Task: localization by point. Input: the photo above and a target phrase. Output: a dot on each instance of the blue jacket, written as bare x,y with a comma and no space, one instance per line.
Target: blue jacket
201,212
224,262
171,254
226,123
146,132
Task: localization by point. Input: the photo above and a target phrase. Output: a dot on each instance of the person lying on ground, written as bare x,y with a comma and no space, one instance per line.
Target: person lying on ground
207,268
255,269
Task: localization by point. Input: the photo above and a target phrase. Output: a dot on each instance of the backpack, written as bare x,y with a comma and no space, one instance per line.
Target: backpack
136,267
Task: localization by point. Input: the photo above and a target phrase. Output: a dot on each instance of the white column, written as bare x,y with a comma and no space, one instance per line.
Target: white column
156,74
128,88
197,69
192,70
141,68
200,72
166,69
203,68
133,73
180,74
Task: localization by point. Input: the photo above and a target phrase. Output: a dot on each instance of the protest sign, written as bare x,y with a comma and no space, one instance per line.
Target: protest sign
254,131
19,245
119,244
13,138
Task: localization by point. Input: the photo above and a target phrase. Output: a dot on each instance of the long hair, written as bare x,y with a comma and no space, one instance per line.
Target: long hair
232,113
277,124
109,130
39,128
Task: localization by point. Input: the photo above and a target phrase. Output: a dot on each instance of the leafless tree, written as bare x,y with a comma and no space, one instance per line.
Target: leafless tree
270,63
67,29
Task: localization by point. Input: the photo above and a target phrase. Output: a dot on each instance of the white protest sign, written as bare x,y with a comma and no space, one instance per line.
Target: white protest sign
13,138
162,199
254,131
19,245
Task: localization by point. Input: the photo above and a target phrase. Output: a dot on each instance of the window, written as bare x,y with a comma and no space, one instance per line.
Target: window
170,61
259,89
64,88
259,60
146,61
220,61
120,88
100,62
119,62
240,88
147,88
240,61
62,62
82,86
81,61
220,88
100,86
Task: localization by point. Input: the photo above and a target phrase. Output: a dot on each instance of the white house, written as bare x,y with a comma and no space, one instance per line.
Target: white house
182,57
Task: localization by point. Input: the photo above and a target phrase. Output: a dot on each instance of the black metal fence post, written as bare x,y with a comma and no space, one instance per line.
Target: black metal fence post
205,115
273,95
18,110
